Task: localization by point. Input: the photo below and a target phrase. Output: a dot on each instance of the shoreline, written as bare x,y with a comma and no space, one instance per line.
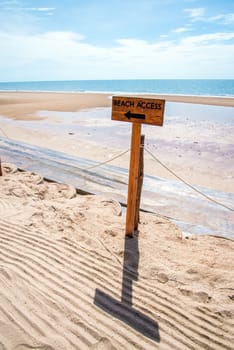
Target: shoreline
225,101
200,151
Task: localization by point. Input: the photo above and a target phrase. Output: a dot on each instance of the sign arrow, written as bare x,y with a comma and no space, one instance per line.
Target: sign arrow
130,115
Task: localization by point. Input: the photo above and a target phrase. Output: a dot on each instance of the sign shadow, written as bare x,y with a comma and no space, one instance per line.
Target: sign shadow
124,310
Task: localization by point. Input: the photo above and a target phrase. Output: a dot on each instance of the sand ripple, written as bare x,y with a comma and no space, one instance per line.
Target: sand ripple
69,280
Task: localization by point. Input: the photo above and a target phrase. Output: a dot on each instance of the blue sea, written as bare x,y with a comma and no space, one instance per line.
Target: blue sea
155,86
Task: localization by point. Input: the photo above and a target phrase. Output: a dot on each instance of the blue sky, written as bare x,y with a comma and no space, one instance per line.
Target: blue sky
124,39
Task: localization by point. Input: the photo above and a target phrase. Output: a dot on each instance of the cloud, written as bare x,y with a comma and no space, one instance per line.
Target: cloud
39,9
207,38
181,30
195,13
33,9
68,55
198,14
225,19
16,7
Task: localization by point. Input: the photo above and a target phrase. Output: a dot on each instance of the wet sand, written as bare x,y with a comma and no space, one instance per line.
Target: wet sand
22,105
196,141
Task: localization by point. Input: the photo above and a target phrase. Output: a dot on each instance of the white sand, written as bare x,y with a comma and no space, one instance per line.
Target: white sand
62,277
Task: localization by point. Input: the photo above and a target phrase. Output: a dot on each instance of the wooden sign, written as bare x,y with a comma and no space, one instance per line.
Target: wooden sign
138,110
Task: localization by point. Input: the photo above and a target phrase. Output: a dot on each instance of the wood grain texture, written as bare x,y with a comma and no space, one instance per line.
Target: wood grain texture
138,110
140,182
133,178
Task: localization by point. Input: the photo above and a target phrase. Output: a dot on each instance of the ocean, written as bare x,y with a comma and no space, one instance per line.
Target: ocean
155,86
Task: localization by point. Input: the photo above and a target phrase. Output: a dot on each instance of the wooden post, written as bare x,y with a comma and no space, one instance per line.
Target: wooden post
133,178
140,182
0,167
136,110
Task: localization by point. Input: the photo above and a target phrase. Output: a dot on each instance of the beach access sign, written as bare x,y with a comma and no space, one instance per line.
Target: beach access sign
138,110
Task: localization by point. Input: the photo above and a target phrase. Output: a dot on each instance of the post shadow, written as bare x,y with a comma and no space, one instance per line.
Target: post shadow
124,310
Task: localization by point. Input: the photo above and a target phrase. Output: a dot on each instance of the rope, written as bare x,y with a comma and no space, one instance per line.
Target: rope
186,183
93,166
158,161
107,161
3,132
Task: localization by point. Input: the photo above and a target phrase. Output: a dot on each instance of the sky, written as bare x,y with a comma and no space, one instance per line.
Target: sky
116,39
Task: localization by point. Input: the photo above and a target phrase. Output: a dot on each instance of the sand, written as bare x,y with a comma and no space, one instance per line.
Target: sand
201,152
68,277
70,280
20,105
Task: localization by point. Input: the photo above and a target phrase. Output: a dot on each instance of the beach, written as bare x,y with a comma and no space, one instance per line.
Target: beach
199,150
70,279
